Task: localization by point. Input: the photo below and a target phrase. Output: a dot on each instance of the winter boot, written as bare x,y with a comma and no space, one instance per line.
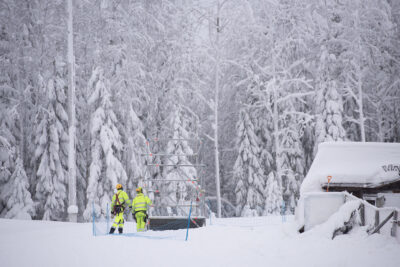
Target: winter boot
112,230
120,230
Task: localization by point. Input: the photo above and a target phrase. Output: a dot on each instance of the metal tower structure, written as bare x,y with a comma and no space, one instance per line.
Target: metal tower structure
174,183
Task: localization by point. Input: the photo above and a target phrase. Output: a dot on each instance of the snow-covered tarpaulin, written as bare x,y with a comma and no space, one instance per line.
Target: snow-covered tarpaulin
352,163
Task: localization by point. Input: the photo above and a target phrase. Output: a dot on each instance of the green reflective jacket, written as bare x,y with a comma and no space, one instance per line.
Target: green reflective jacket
123,199
140,202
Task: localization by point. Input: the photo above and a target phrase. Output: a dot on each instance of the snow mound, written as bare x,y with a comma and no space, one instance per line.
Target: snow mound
352,162
316,208
340,222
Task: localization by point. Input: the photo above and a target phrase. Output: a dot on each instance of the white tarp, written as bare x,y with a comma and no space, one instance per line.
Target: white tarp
353,162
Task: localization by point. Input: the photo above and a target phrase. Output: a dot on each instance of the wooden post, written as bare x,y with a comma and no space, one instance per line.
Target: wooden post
377,219
362,214
393,232
377,228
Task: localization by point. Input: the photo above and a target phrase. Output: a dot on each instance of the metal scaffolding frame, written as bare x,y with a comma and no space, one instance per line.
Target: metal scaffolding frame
189,189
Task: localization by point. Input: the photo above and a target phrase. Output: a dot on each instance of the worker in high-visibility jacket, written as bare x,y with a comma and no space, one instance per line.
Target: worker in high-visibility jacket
120,201
140,205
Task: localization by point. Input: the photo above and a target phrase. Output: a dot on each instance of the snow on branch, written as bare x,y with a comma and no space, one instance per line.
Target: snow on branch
294,95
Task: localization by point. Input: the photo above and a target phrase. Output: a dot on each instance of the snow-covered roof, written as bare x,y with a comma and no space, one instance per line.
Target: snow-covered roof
363,164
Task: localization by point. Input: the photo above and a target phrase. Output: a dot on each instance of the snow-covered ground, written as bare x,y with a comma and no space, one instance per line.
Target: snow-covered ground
262,241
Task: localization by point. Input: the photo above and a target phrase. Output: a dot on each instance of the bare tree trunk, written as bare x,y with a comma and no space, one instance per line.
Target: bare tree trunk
360,105
359,84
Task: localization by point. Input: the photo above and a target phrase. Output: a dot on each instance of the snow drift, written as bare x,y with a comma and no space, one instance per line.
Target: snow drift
340,222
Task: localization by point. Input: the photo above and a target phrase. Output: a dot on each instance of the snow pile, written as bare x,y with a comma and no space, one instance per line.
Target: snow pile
339,221
351,162
318,207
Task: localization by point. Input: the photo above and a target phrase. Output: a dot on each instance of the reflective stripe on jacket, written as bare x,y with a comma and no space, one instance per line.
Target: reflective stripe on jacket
123,199
140,202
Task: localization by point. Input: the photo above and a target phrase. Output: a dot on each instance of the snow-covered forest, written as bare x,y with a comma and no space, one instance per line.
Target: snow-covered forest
260,82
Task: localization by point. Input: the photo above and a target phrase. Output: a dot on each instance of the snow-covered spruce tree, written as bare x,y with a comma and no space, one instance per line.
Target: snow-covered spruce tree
273,192
17,72
106,170
263,128
12,100
9,137
248,173
329,107
179,192
51,145
286,92
10,125
263,122
128,90
81,174
284,85
5,170
82,142
19,204
135,146
291,162
82,145
60,108
9,119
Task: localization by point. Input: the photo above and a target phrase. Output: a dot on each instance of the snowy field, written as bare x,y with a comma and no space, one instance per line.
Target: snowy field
263,241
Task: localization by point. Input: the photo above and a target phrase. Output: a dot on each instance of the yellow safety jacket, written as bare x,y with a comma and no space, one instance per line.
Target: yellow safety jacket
140,203
120,199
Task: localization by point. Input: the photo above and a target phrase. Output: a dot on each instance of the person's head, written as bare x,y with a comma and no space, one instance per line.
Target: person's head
119,187
139,190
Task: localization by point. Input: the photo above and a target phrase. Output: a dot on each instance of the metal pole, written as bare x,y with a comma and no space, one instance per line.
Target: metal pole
188,225
108,219
216,100
93,220
72,209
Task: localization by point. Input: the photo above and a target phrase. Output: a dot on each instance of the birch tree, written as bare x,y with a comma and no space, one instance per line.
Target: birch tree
284,85
366,29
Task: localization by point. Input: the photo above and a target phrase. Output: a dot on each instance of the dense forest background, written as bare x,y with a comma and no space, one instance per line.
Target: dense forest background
261,83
